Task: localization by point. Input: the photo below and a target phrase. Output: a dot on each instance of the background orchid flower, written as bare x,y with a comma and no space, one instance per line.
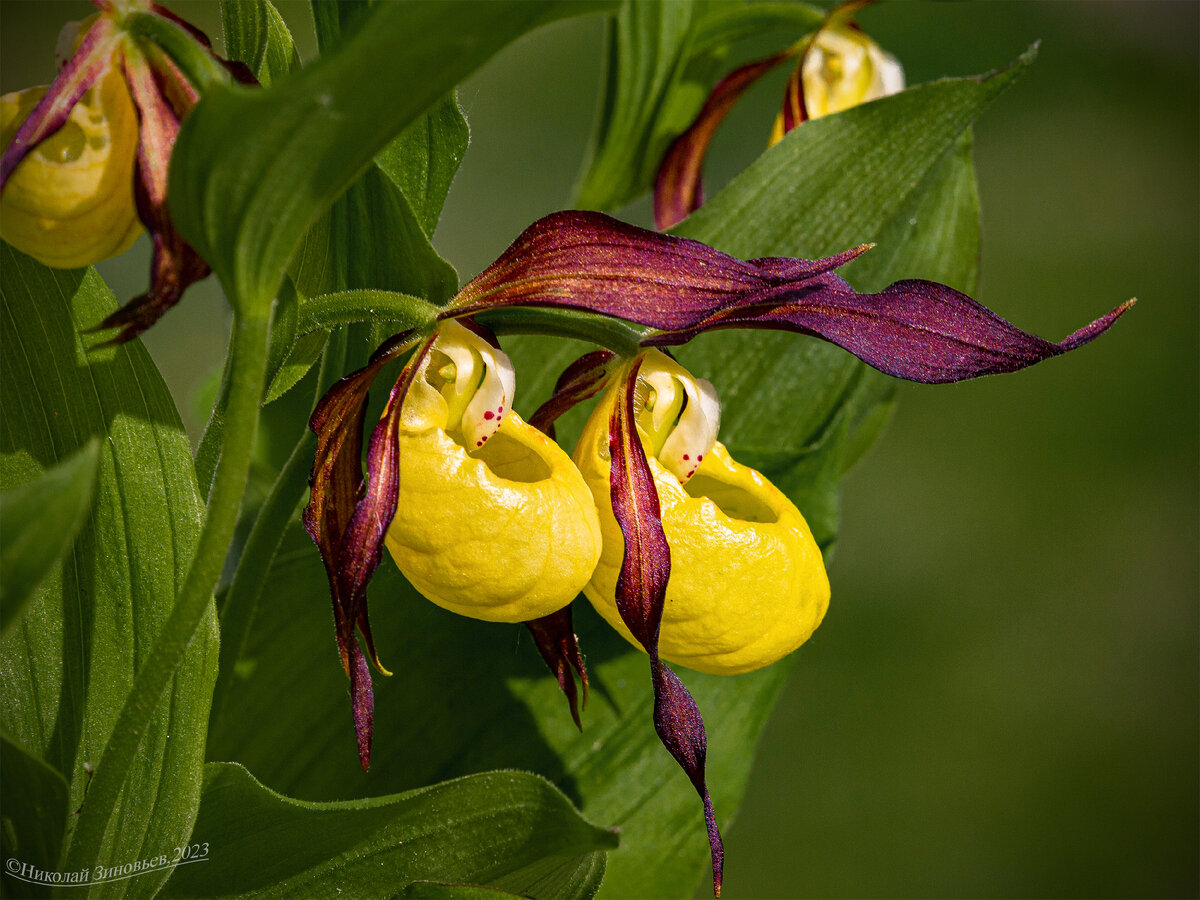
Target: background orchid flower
78,198
837,67
71,203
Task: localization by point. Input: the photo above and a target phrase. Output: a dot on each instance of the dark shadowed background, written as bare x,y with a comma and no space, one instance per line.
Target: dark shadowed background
1003,699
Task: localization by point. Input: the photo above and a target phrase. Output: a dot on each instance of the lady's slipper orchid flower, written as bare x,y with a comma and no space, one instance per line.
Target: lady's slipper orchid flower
677,513
86,158
484,515
747,581
492,520
838,67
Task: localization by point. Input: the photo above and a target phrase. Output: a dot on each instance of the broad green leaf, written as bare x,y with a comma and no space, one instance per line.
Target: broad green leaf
38,521
256,34
69,663
253,169
33,819
662,61
510,830
469,695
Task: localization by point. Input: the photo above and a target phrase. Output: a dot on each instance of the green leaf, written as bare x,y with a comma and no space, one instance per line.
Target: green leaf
69,663
662,61
256,34
511,830
253,169
40,520
33,819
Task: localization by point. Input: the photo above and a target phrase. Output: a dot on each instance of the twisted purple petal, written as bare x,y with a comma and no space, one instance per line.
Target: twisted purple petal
640,594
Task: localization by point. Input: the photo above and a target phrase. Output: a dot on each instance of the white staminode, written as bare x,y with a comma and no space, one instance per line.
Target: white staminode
684,415
479,390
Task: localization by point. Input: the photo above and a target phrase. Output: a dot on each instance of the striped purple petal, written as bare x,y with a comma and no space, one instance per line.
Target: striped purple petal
345,510
640,594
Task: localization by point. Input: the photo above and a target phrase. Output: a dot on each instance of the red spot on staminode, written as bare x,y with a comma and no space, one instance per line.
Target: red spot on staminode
685,456
699,458
489,415
479,443
500,409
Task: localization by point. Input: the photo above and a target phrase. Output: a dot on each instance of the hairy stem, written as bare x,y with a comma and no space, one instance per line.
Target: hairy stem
248,353
266,536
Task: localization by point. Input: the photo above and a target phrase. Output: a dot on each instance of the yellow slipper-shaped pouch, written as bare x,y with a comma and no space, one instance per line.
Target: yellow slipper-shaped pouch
747,583
70,202
493,519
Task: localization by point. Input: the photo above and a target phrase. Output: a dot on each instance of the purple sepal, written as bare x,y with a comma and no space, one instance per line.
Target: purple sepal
174,264
555,638
79,73
592,262
362,700
582,379
917,330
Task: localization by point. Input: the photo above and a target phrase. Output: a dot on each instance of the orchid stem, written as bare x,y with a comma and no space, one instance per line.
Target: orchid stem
266,536
199,66
248,355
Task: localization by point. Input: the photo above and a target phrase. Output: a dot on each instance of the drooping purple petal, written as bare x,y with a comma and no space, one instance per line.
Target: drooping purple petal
174,264
646,565
337,490
362,698
582,379
90,61
918,330
677,188
680,727
591,262
555,638
640,594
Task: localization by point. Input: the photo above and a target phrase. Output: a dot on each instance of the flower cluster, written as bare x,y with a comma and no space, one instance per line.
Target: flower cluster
691,556
837,67
85,159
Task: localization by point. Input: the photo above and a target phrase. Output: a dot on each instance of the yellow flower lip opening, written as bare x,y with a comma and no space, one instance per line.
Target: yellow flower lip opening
493,521
70,202
747,583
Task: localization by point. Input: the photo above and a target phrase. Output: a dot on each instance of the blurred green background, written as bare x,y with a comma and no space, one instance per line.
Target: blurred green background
1004,697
